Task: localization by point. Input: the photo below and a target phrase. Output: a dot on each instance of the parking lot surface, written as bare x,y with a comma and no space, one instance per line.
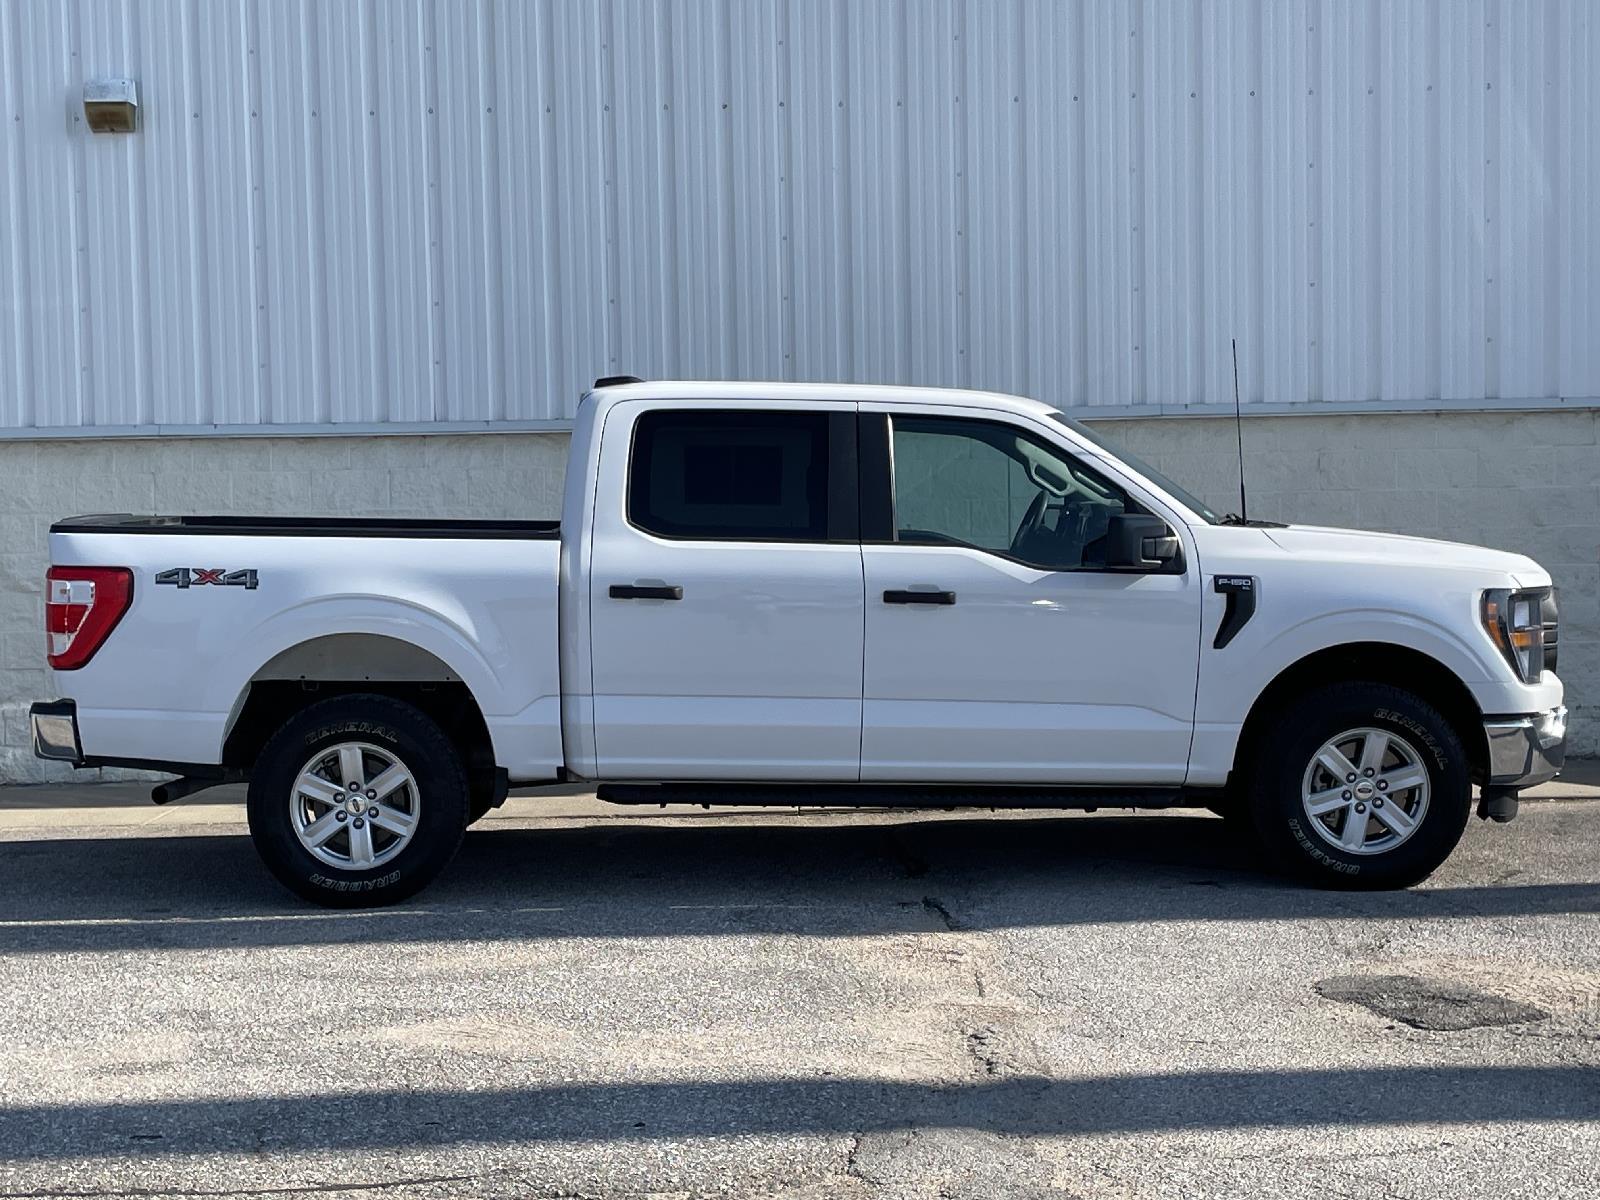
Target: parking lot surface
610,1002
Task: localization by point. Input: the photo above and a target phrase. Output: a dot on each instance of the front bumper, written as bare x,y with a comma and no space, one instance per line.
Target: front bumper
1528,750
55,731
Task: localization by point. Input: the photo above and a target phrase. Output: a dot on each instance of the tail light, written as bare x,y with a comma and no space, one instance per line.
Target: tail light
82,606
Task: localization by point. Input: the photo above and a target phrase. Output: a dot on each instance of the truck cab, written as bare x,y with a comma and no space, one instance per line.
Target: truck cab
796,593
873,587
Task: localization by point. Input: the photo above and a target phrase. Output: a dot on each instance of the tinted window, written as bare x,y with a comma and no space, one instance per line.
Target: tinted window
730,475
994,487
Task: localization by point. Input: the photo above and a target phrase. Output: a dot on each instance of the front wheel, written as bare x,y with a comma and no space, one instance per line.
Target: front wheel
358,801
1361,785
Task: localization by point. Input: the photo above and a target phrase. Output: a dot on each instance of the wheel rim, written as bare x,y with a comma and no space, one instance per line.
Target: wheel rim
355,806
1365,791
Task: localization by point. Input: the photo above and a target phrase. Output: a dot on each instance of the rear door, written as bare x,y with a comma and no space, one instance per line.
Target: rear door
725,592
999,647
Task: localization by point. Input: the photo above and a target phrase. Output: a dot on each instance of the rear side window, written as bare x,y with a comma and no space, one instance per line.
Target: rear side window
730,475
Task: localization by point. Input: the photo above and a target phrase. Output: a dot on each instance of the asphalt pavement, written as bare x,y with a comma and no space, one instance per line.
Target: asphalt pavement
598,1001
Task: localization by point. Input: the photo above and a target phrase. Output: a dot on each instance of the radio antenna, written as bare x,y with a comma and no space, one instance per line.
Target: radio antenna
1238,428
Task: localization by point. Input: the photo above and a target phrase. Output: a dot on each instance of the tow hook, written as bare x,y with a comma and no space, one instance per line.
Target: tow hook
1497,804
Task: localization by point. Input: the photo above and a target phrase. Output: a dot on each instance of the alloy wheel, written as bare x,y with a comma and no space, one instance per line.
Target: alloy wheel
1365,791
355,806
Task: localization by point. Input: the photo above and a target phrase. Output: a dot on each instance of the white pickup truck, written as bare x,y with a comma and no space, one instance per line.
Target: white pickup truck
809,595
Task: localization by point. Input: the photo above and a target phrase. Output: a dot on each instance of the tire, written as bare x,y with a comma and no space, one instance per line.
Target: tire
1305,814
421,813
486,791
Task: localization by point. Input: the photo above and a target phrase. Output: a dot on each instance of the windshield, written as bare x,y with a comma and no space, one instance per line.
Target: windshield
1184,497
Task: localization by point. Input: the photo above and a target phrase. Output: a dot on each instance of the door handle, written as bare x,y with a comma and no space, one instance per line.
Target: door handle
640,591
904,596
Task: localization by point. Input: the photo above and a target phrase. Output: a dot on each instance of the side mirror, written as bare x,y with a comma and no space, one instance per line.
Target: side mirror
1138,542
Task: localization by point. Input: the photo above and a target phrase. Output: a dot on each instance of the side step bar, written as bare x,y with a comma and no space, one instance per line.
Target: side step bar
891,795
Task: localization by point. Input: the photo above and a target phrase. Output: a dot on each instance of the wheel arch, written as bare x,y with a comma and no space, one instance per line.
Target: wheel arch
1370,662
336,664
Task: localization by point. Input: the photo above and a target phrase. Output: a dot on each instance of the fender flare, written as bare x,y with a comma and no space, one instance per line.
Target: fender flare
1329,631
379,616
1231,693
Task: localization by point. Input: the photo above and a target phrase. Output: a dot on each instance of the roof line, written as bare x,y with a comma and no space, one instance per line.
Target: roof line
1087,412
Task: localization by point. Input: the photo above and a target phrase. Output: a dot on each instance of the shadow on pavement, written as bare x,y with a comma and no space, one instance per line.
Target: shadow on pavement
1381,1096
614,879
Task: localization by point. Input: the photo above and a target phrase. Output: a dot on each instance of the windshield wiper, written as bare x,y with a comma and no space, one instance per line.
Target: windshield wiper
1252,522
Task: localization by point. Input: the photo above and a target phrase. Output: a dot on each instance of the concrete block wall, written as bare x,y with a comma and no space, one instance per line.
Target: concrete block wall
1528,482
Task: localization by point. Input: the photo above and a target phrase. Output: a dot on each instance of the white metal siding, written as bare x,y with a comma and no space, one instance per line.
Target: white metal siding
432,211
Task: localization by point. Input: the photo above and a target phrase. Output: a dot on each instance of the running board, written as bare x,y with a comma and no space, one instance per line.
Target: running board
893,795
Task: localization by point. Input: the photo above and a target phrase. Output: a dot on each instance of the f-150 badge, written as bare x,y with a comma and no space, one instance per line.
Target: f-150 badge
183,577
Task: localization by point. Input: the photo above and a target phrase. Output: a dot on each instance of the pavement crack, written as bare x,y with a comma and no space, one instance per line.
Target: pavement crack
936,906
939,909
850,1155
984,1045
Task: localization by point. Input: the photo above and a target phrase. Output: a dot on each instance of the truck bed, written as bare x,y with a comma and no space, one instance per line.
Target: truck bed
402,527
215,601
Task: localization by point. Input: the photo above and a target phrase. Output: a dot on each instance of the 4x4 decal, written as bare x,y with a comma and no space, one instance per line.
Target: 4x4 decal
184,577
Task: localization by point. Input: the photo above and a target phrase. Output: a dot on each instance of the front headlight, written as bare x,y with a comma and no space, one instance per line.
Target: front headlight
1523,624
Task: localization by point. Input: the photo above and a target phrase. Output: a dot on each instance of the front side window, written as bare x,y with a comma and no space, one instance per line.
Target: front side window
1182,495
730,475
994,487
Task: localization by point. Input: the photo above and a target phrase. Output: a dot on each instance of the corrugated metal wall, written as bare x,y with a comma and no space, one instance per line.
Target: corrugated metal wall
432,211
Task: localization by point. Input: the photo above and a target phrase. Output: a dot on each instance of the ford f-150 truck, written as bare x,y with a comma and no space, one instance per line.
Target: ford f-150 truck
809,595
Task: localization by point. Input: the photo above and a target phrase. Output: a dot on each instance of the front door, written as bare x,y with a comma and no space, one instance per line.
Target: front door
725,594
999,649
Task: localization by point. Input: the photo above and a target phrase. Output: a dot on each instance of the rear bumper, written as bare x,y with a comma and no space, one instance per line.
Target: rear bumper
55,737
1526,750
55,731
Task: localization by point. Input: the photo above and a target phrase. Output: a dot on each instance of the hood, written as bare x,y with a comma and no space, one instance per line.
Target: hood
1378,549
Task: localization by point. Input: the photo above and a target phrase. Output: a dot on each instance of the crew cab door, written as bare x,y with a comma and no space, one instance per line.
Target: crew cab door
999,648
725,592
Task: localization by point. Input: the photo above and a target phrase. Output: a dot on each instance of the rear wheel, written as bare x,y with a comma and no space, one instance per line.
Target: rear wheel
1361,785
358,801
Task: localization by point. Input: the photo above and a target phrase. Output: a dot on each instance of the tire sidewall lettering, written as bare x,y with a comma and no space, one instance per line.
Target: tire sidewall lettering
355,885
1317,852
1416,730
368,729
